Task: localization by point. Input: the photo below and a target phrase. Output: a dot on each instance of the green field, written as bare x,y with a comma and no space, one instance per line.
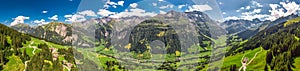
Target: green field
257,64
51,45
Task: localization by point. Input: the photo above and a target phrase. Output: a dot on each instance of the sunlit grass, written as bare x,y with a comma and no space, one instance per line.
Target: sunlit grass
292,21
297,63
257,64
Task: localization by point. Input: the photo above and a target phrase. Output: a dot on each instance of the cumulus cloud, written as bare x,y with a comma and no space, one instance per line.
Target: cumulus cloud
160,0
201,8
256,4
154,4
232,18
255,11
288,9
40,22
74,18
167,6
88,13
254,16
223,12
221,3
54,18
181,6
133,5
247,7
44,12
282,9
120,3
18,20
162,12
104,12
133,12
112,3
250,15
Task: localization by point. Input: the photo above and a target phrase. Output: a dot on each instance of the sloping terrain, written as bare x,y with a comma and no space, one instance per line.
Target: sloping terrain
280,48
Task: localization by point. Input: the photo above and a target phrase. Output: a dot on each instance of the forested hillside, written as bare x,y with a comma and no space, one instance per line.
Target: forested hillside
20,52
280,44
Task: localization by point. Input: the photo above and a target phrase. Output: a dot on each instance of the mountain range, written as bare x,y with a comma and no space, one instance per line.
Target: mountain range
189,37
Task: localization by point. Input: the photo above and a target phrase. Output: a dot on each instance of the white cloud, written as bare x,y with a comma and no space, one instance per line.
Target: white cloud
221,3
114,6
232,18
40,22
256,4
239,10
162,12
254,16
54,18
103,12
112,3
167,6
248,7
160,0
120,3
282,9
74,18
255,11
242,8
273,6
88,13
223,12
249,15
201,8
18,20
66,16
133,5
44,12
180,6
154,4
133,12
291,8
288,9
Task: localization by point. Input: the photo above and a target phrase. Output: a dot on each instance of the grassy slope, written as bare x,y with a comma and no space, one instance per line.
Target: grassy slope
297,63
28,47
52,45
14,64
257,64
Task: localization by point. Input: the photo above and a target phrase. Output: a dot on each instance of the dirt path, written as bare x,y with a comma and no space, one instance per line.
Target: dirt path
69,69
25,65
250,60
34,47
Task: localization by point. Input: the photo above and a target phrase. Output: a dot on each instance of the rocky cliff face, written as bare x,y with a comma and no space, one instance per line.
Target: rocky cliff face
119,32
176,30
236,26
55,32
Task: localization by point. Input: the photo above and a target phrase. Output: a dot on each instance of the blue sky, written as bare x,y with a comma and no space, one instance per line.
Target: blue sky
35,12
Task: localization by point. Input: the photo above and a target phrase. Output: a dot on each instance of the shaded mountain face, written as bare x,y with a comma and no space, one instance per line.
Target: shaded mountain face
236,26
24,28
55,32
265,25
111,30
172,28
